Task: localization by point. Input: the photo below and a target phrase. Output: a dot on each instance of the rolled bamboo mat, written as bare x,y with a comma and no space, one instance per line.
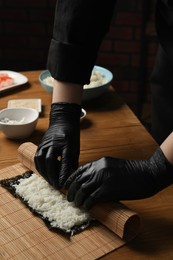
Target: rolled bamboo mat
121,220
25,236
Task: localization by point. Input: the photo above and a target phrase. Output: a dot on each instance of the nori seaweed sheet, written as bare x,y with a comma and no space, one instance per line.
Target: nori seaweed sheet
8,184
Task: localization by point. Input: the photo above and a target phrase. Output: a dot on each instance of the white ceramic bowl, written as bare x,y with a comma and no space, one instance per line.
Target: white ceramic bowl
88,92
43,75
18,123
93,92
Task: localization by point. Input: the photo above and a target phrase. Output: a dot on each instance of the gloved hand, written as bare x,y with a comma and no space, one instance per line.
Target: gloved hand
62,139
111,179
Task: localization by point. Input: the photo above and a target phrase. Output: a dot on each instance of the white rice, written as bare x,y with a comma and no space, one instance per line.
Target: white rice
49,81
97,79
9,121
50,203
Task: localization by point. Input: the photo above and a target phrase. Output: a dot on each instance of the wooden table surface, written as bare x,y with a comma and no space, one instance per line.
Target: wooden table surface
110,128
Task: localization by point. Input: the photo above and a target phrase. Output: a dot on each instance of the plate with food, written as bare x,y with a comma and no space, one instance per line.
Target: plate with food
10,79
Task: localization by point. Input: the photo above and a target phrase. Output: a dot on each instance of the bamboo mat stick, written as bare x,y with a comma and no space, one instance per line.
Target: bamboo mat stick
26,153
121,220
118,218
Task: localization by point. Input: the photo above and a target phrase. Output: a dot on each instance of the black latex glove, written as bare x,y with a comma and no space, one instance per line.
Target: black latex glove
62,139
111,179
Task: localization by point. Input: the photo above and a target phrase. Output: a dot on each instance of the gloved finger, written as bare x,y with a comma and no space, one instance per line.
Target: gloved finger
74,187
65,166
87,187
39,160
97,196
52,166
70,179
80,197
76,176
74,162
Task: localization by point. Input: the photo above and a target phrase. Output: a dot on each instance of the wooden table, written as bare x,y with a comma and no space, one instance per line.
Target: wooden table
110,128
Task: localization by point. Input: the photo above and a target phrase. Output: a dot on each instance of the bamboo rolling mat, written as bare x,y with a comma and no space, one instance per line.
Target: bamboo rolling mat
25,236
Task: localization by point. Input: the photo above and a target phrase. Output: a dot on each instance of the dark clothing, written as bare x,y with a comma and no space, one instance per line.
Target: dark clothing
162,75
162,97
79,29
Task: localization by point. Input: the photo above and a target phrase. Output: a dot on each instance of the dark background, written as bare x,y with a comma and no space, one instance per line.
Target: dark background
128,50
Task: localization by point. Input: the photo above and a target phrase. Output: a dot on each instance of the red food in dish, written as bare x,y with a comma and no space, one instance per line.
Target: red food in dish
5,80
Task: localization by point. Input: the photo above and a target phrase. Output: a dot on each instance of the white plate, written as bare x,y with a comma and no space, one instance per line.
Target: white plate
19,79
28,103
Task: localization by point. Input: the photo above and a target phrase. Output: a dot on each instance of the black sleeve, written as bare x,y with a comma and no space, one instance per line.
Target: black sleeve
164,26
79,28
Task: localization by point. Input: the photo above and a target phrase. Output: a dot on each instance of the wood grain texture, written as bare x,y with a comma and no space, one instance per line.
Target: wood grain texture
110,128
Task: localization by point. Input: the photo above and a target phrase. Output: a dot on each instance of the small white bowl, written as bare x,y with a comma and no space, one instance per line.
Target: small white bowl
18,123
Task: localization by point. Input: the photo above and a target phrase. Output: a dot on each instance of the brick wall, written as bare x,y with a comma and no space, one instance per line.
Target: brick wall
129,50
26,29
